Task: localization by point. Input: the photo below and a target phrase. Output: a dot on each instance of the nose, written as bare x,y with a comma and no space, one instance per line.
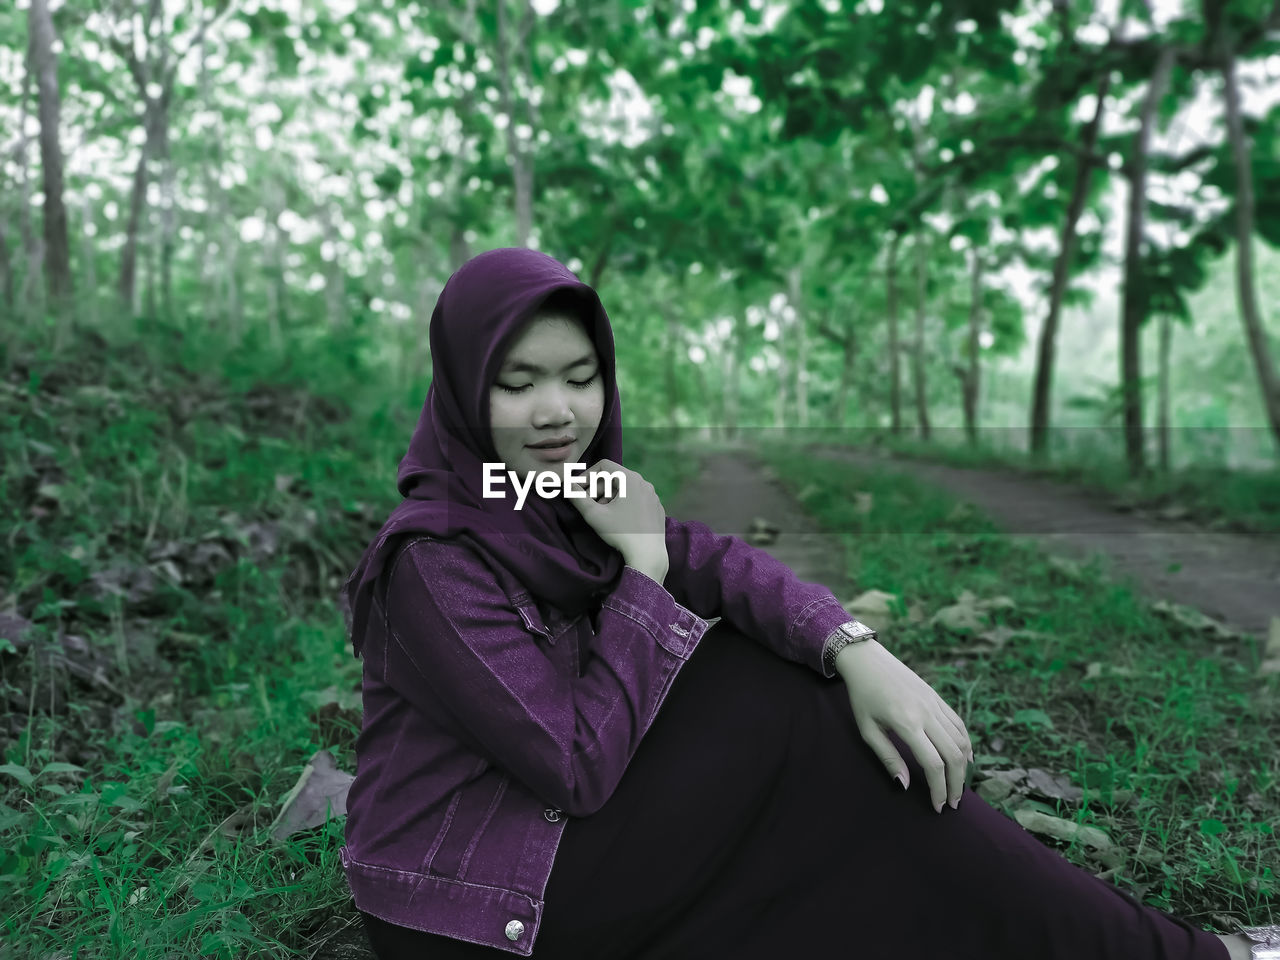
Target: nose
553,408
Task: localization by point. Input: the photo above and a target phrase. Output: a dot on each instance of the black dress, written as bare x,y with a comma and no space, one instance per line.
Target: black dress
755,823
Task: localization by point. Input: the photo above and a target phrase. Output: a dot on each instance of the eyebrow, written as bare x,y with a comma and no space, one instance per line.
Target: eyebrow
519,366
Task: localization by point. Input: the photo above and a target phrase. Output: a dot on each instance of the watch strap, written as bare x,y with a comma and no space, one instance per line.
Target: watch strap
854,631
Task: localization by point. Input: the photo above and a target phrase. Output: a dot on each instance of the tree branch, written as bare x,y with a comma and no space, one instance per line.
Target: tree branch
831,333
223,8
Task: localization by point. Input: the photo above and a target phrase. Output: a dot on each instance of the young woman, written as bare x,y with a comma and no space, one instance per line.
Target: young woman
594,731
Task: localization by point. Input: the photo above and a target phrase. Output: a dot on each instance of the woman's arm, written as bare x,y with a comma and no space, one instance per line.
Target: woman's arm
454,642
723,575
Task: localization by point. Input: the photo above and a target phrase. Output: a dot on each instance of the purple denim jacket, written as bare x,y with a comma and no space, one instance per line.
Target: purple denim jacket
490,720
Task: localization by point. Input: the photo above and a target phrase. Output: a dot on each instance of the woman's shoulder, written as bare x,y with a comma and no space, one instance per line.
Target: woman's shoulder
435,556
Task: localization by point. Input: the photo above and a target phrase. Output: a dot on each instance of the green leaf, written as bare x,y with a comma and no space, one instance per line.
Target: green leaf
20,772
1033,718
1212,828
59,767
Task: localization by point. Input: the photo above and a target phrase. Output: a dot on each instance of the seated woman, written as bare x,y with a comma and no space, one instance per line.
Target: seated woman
595,731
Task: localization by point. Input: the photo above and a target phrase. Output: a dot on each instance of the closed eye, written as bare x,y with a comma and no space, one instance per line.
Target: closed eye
578,384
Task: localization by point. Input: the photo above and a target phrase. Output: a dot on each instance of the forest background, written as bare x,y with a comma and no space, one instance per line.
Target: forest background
1039,234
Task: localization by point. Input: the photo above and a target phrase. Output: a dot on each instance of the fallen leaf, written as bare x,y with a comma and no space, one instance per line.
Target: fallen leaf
963,616
1068,568
1056,787
321,791
14,628
761,533
1012,776
1097,669
1000,635
873,608
1194,619
1060,829
993,791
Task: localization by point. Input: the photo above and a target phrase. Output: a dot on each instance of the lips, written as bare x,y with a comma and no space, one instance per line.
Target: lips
549,444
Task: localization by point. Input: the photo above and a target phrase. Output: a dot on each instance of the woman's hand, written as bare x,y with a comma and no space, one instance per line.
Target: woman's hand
887,695
635,525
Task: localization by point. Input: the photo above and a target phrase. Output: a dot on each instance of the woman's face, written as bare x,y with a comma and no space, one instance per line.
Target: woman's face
549,386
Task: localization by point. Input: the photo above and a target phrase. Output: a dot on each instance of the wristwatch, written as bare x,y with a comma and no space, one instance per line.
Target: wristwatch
1266,942
855,631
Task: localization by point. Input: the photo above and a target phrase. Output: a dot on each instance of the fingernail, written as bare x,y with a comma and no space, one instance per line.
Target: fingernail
901,780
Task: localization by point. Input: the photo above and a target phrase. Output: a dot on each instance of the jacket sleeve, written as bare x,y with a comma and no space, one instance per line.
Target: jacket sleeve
723,575
454,640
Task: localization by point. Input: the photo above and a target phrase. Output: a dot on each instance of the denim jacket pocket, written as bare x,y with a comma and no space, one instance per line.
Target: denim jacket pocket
550,627
532,619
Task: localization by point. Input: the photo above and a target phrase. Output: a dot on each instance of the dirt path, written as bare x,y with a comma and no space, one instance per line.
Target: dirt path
1232,577
733,489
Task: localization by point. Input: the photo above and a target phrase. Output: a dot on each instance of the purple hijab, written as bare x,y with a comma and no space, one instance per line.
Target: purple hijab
547,546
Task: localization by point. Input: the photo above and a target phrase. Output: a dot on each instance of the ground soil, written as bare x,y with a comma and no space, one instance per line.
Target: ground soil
1232,577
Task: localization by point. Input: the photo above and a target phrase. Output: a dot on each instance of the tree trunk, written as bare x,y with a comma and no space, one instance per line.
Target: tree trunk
459,249
707,400
971,380
6,270
918,374
44,64
273,267
784,372
90,265
849,354
895,372
1162,380
32,293
167,221
137,201
1250,315
1043,388
673,347
334,281
223,275
207,269
802,347
150,251
1136,293
231,247
521,159
733,368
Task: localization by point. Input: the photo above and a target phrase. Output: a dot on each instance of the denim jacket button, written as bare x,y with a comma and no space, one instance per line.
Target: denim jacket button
552,814
514,929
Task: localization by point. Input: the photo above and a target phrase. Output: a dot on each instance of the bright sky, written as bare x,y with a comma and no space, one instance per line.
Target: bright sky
628,116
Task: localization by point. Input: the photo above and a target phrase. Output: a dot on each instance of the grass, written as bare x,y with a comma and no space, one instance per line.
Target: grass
1191,730
1214,495
178,517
